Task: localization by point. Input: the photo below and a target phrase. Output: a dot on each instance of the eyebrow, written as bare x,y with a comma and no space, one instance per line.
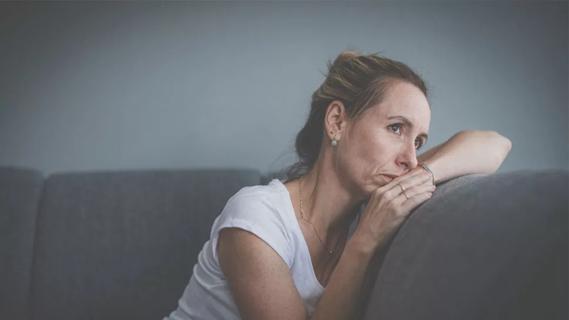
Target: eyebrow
410,124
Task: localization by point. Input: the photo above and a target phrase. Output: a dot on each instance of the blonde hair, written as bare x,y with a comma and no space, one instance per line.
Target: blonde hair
359,81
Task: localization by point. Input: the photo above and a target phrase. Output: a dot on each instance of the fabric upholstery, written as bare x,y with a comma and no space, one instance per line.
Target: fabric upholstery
121,245
484,247
20,190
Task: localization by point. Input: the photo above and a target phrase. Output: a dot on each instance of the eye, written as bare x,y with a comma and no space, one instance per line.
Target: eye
418,144
396,126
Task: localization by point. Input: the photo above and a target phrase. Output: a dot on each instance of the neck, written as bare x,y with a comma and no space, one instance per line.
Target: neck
327,204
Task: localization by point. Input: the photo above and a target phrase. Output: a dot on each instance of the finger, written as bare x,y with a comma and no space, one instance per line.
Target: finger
394,192
410,175
421,188
410,182
416,175
414,191
407,205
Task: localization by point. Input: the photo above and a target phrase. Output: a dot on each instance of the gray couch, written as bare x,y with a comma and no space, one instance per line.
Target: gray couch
122,244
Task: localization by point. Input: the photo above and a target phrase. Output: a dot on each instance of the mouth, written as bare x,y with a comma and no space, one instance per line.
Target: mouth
387,177
391,176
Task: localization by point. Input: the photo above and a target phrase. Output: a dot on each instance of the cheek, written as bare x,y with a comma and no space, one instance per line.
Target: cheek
365,158
372,151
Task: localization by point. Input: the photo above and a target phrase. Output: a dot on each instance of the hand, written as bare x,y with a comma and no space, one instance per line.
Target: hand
388,206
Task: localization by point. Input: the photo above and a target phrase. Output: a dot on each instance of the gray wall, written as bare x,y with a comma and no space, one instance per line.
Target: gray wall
88,86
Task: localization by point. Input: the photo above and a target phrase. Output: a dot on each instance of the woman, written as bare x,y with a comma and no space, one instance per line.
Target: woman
301,249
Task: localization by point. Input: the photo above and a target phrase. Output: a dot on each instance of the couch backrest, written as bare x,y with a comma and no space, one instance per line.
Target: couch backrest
20,190
121,245
484,247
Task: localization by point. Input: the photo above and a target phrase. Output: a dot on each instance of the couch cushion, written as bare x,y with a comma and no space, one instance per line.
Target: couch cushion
121,245
20,190
484,247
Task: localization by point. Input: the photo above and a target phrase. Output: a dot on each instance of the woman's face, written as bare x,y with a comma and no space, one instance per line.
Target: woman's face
383,142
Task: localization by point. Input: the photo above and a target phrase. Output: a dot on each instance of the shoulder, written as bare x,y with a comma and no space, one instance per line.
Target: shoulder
258,202
260,210
256,260
259,277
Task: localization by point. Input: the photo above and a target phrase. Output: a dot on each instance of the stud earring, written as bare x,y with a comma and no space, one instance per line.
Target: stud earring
334,142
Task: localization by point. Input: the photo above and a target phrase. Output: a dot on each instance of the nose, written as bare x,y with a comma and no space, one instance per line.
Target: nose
407,158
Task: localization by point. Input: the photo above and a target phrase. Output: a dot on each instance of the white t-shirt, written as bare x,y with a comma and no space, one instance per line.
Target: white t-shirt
267,212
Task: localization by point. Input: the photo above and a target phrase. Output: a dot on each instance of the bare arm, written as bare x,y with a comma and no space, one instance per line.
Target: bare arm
467,152
260,281
258,277
263,287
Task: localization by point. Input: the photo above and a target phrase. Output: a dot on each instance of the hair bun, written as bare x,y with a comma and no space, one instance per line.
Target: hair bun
343,57
358,81
349,54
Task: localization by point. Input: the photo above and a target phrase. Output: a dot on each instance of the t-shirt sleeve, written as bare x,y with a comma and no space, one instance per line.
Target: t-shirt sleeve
256,214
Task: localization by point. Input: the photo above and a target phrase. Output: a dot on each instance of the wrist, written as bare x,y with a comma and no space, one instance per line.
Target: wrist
427,167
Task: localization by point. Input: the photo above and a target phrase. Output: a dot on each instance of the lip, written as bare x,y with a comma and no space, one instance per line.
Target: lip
387,178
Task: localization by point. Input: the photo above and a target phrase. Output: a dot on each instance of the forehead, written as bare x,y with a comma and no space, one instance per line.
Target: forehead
406,100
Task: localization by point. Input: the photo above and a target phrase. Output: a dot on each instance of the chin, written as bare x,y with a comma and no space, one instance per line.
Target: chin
369,188
374,183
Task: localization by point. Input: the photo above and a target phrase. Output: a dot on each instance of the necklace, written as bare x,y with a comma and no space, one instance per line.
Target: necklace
330,251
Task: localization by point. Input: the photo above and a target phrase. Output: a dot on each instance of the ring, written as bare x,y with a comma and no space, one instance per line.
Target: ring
403,190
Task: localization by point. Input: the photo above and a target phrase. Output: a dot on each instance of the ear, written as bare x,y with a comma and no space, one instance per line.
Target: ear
335,120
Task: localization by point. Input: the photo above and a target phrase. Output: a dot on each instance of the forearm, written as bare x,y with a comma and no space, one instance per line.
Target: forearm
467,152
343,296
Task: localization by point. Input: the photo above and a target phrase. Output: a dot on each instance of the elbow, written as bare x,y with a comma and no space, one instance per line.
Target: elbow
506,143
489,136
501,148
495,145
503,144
